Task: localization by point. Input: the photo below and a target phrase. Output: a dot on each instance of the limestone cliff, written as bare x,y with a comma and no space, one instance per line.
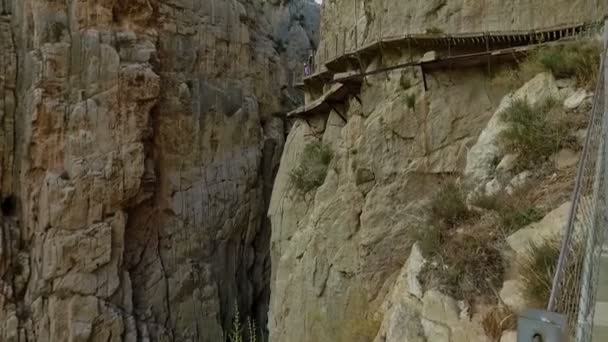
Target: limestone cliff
356,23
138,144
343,266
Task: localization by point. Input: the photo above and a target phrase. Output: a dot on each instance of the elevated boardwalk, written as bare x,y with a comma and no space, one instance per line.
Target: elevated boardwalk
487,46
458,61
337,93
487,40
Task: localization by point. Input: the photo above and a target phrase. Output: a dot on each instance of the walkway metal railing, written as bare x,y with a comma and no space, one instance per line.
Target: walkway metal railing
350,41
575,282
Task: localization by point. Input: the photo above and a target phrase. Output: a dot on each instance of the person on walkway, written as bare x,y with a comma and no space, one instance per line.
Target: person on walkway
311,60
306,69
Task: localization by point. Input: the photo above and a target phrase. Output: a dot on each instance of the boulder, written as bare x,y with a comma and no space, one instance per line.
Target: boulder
439,307
576,99
414,265
482,157
493,187
548,228
509,336
581,136
520,179
565,158
507,163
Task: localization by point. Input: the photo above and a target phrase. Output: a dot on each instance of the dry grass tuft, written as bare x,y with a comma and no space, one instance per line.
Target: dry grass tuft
538,269
464,265
497,320
514,211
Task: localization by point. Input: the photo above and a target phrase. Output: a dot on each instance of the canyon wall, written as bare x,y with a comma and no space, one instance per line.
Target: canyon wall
139,142
341,264
347,24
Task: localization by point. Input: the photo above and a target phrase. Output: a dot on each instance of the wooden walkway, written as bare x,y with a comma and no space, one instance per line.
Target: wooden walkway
498,47
459,61
487,40
336,94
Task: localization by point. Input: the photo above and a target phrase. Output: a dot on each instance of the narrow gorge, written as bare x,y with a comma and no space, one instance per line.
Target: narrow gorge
167,173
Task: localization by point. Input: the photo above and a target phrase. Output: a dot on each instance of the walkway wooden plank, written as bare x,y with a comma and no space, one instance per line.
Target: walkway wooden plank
322,75
336,93
463,60
471,38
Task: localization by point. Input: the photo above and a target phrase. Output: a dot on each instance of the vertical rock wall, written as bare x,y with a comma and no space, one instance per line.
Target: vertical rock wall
346,24
337,251
138,148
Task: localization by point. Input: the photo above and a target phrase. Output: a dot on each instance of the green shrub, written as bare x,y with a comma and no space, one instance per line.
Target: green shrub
514,218
434,30
312,170
514,211
538,270
405,82
580,60
448,206
532,132
279,46
410,100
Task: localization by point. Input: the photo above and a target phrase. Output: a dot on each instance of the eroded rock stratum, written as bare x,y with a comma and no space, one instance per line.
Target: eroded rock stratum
138,144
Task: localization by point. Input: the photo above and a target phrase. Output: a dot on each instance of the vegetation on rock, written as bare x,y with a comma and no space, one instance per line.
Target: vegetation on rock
466,263
411,101
538,270
514,211
579,60
311,171
237,330
497,320
448,207
534,132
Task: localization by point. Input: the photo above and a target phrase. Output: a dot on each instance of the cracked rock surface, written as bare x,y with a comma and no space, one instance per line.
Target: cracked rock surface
138,147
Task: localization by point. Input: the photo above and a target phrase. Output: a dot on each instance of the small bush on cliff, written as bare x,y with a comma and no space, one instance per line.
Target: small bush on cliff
311,171
579,60
448,206
410,100
514,211
533,131
434,30
538,270
464,265
466,262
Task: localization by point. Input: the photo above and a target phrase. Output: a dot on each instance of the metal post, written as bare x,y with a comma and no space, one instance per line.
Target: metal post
344,42
355,22
336,56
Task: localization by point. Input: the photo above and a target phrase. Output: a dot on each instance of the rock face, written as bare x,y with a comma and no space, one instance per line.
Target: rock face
341,254
486,153
336,253
137,153
346,24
